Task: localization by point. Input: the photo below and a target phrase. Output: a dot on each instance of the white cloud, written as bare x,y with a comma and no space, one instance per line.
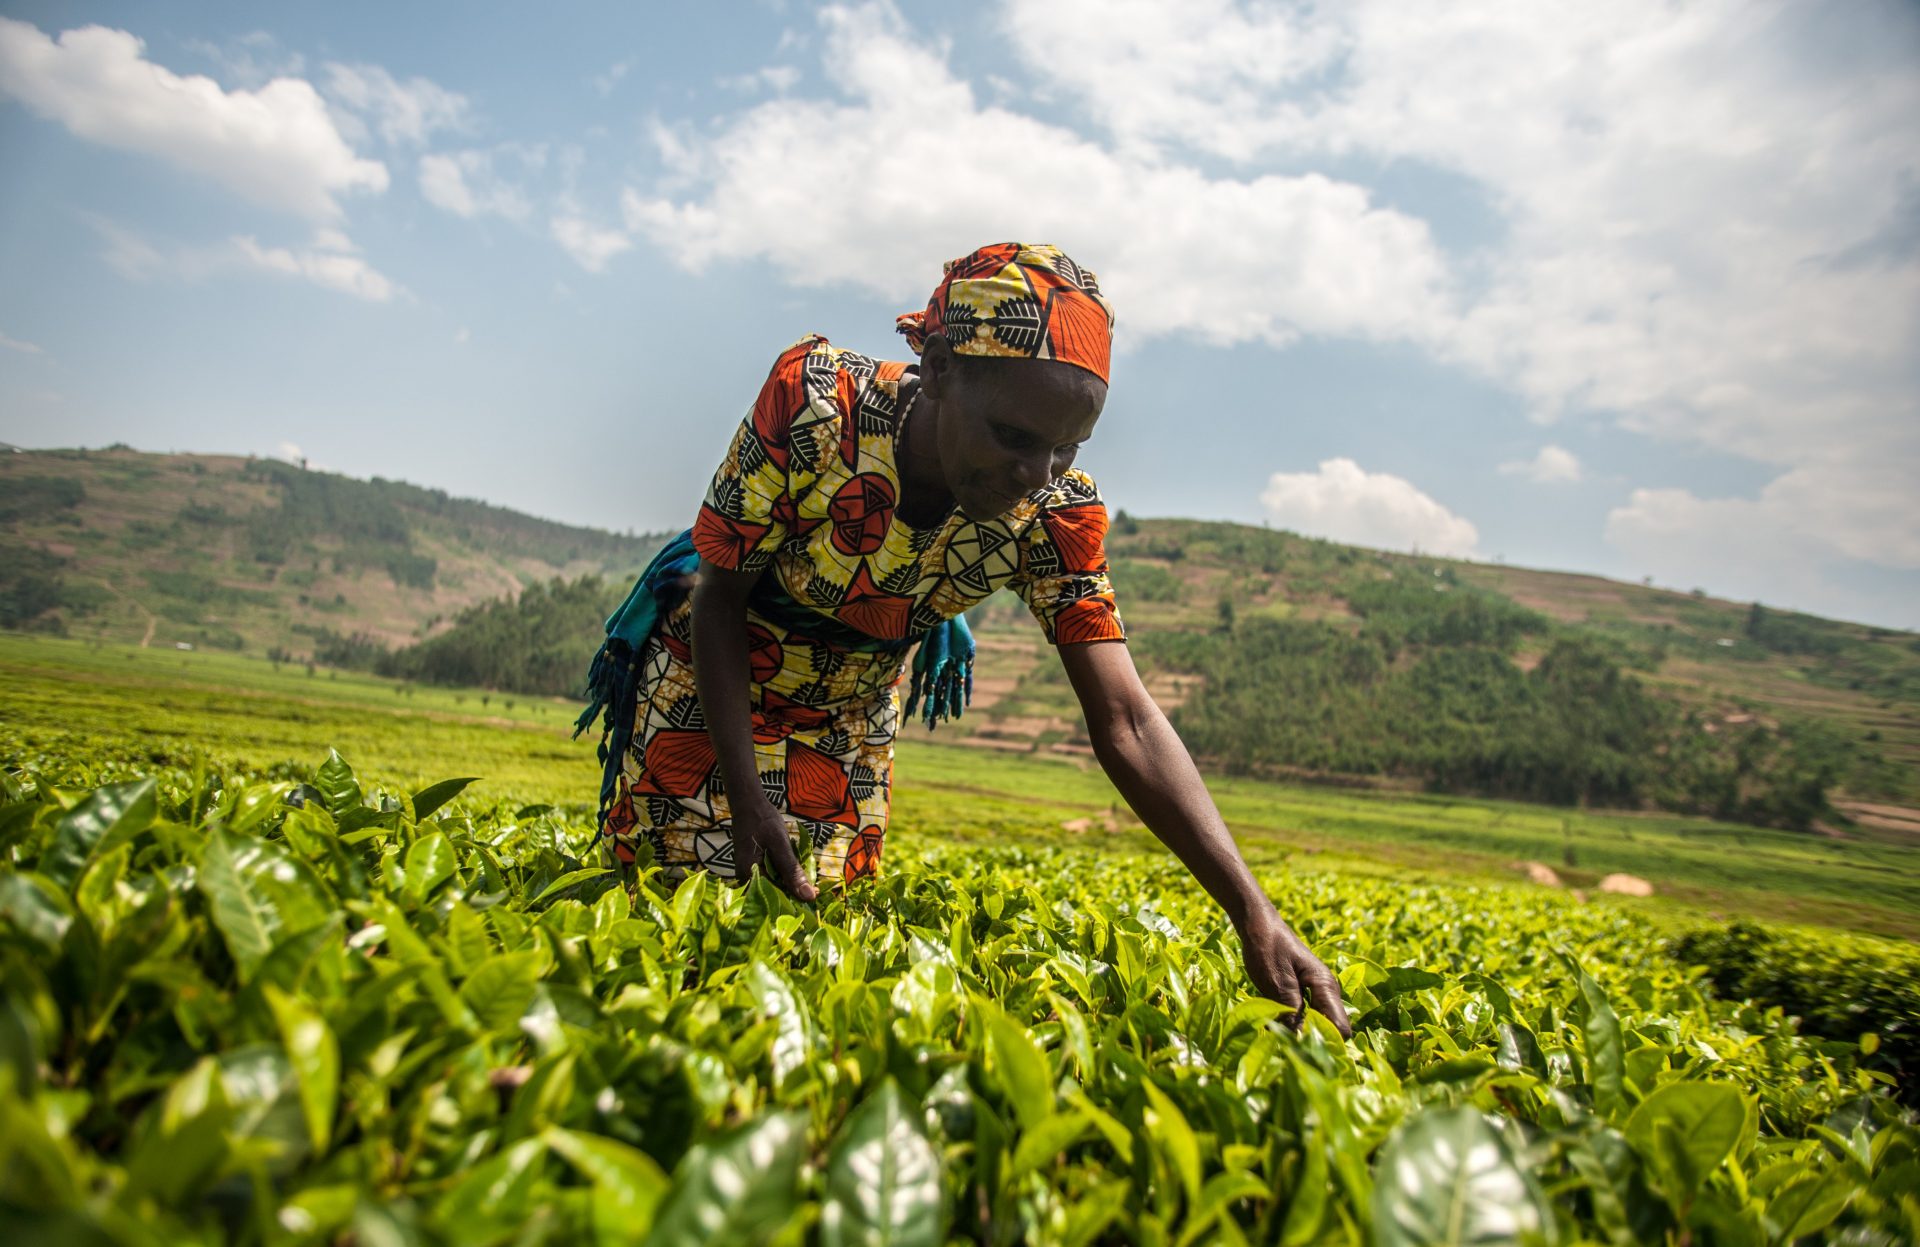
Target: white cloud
276,146
604,84
135,258
403,112
1265,259
1552,464
590,245
462,336
1343,502
776,78
1705,214
15,344
251,59
468,184
1758,549
329,264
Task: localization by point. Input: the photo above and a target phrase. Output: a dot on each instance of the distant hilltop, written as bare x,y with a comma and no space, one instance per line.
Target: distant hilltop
1274,653
256,554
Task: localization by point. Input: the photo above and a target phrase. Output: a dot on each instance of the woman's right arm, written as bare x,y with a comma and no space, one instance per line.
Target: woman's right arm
720,675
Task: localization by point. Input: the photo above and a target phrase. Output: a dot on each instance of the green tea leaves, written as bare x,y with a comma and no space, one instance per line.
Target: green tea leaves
105,817
1606,1046
883,1179
627,1184
335,782
428,800
1447,1177
1685,1130
315,1056
739,1188
228,1028
258,893
1019,1065
501,989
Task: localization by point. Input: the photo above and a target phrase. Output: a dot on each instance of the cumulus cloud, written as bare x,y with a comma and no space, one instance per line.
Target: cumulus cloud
15,344
603,84
276,145
1706,216
469,184
1810,515
590,245
1266,258
251,59
1758,549
1552,464
776,78
1343,502
402,112
330,264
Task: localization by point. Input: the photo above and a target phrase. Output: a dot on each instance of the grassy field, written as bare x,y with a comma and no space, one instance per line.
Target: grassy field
63,701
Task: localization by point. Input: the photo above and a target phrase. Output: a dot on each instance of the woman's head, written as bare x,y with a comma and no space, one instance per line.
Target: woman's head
1014,348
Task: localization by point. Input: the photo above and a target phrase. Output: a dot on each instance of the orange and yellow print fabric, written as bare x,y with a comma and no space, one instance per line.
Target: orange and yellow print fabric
809,486
809,491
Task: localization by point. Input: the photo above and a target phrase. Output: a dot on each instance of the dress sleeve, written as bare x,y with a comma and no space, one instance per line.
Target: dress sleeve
1063,566
749,508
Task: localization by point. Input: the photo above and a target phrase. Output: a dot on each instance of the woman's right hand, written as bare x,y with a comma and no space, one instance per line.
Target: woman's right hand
760,839
721,676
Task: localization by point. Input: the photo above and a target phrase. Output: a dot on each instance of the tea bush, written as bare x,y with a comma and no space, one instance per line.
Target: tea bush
305,1012
1840,987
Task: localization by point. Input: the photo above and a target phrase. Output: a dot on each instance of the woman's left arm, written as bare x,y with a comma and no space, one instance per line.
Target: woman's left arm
1146,761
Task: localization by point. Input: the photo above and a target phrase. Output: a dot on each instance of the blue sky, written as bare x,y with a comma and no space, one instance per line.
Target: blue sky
1630,288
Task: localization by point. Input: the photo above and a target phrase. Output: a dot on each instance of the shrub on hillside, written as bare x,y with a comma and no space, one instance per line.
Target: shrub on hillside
1839,986
540,642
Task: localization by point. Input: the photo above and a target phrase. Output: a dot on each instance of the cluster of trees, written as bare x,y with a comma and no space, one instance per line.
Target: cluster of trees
38,496
377,521
31,588
360,516
540,642
1427,687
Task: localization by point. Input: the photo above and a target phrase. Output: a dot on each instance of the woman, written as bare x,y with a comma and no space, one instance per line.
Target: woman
862,506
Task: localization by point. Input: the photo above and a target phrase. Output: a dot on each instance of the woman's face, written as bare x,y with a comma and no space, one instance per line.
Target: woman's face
1006,426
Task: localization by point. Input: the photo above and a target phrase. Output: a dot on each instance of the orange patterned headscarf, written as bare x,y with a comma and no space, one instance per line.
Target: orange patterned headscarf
1018,300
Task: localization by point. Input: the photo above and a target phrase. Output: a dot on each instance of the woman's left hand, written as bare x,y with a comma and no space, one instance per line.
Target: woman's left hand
1284,969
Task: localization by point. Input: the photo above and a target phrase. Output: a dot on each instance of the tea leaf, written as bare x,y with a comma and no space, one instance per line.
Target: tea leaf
105,817
738,1188
1446,1176
883,1179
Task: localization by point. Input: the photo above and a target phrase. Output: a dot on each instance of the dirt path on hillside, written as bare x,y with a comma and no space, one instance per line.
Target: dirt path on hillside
153,621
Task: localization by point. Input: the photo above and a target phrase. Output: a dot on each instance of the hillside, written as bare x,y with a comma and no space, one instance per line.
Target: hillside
1276,654
1222,614
263,556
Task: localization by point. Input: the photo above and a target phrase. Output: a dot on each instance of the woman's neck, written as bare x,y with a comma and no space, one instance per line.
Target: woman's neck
924,497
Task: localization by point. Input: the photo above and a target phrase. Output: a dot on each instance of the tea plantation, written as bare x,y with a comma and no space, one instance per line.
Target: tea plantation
311,1013
285,1003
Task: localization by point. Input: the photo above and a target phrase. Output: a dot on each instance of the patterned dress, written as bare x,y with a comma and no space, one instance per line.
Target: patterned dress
808,491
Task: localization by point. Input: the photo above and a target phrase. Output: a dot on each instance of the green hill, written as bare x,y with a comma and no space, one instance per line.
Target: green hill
1275,654
1280,654
263,556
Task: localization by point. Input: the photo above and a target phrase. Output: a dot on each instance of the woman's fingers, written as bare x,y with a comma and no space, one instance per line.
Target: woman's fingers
1325,992
1284,971
767,846
783,867
1273,977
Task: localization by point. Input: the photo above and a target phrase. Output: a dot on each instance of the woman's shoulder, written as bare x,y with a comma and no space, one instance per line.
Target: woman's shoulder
818,388
825,371
1072,488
